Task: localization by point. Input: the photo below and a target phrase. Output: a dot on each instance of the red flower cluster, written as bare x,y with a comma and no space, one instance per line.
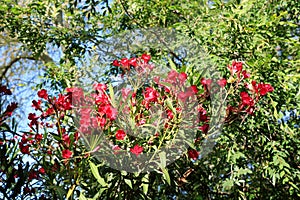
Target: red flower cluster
126,63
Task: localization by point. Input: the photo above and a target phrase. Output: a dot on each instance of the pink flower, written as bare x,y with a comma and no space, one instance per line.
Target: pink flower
120,135
182,77
66,153
222,82
137,150
116,149
172,76
43,94
125,92
66,139
99,87
206,82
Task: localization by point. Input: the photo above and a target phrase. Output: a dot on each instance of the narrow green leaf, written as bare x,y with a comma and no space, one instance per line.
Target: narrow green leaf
172,64
145,185
112,95
96,174
70,191
82,197
163,159
169,104
166,175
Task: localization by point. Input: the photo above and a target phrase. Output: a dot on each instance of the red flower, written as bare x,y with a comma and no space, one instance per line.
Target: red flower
10,108
246,99
32,175
120,135
49,112
42,170
206,82
182,77
116,63
245,74
24,139
100,87
101,121
222,82
111,113
33,118
194,88
151,94
193,154
265,88
116,149
125,62
132,62
235,67
24,149
66,153
38,137
43,94
66,139
37,105
170,114
146,58
137,150
4,90
204,128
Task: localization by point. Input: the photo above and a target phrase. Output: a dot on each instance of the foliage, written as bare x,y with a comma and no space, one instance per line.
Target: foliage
254,158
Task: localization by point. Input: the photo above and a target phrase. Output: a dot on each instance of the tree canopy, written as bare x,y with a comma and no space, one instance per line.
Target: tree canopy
255,157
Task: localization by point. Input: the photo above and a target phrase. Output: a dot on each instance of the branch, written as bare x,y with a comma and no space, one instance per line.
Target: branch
16,59
44,57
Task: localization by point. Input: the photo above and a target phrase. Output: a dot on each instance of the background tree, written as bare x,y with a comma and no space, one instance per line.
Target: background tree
257,158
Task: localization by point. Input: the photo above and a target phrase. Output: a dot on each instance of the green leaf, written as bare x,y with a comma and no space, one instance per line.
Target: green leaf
112,95
96,174
70,191
162,157
82,197
169,104
166,175
128,182
172,64
145,185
